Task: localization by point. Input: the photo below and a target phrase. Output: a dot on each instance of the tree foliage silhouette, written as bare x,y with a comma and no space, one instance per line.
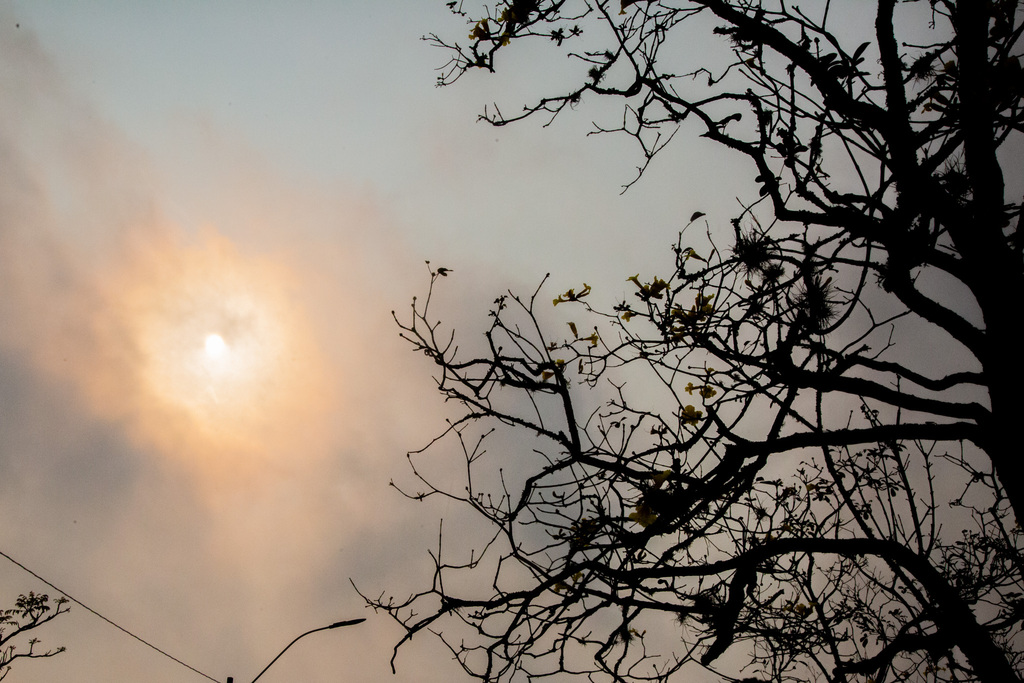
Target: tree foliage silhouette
29,613
775,483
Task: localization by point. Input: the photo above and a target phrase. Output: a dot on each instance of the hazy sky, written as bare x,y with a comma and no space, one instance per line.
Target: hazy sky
275,173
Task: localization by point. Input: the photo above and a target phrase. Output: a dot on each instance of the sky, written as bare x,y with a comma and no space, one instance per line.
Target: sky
208,212
275,174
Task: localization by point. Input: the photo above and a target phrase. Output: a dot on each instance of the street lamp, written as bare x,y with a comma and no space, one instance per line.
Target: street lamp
337,624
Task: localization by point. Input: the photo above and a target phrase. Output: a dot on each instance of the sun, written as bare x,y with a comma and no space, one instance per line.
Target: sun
216,347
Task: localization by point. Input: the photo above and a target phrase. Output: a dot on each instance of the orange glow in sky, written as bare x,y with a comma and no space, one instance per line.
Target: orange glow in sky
207,356
191,368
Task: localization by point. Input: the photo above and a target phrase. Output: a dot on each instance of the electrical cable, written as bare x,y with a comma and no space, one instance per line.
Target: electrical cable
91,610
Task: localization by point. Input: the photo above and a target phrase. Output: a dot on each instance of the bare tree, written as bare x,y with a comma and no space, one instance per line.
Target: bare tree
774,483
29,613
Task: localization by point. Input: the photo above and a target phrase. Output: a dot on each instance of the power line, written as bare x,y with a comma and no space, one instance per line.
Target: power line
120,628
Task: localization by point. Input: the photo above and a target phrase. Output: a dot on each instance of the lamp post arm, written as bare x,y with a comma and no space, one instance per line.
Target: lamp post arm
337,624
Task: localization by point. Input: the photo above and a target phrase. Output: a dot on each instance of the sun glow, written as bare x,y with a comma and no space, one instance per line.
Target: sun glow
205,355
215,386
227,363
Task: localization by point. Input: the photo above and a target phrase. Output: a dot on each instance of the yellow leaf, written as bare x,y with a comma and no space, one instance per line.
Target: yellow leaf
571,295
480,31
690,415
644,515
